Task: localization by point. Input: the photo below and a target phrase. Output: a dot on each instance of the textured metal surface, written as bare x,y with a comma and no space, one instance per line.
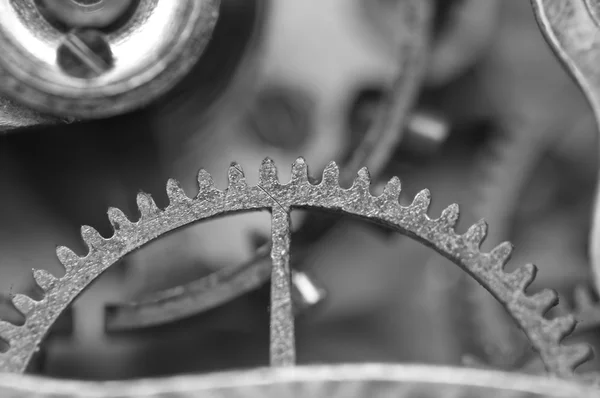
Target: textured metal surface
283,343
365,380
150,56
572,30
374,151
464,250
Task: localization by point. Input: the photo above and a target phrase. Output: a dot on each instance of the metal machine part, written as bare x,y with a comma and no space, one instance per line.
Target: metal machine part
571,28
120,56
487,268
315,112
364,380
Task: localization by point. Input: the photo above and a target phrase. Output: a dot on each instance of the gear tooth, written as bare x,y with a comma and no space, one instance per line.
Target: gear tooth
91,237
175,193
268,172
44,279
363,180
146,205
421,201
236,176
205,181
7,331
449,216
575,355
67,257
393,189
299,171
501,254
522,277
23,303
331,175
476,233
544,300
561,326
118,219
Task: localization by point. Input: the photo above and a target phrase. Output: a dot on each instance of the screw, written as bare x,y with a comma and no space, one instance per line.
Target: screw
85,54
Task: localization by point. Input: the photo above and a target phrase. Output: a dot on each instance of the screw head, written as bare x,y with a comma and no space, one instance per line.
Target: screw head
85,54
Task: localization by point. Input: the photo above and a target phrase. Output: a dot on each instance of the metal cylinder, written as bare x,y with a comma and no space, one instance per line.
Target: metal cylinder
110,60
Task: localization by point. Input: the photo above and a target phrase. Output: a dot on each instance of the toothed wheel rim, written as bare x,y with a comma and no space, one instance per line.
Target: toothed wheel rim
487,268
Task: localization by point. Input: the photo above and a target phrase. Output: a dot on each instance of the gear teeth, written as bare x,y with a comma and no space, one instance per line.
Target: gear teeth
7,331
501,254
44,279
67,257
267,175
175,192
91,237
147,206
23,303
476,233
392,190
421,202
561,326
299,171
509,288
205,181
449,217
118,219
363,180
575,355
544,300
236,176
331,175
522,277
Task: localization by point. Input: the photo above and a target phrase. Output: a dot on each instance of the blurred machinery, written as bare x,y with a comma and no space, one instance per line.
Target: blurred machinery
102,98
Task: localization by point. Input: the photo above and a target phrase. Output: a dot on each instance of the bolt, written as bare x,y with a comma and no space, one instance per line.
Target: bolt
85,54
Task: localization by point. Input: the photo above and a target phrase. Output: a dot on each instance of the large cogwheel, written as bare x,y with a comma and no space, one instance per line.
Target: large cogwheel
463,249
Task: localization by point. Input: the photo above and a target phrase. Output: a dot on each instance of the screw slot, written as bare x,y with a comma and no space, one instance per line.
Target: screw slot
85,54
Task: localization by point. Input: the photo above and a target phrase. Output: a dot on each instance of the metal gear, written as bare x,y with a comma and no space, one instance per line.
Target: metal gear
374,150
464,250
505,166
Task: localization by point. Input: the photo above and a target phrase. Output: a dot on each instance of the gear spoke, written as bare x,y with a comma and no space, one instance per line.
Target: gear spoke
283,350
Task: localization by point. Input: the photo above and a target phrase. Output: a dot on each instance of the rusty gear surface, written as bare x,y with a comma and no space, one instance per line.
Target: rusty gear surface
462,249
